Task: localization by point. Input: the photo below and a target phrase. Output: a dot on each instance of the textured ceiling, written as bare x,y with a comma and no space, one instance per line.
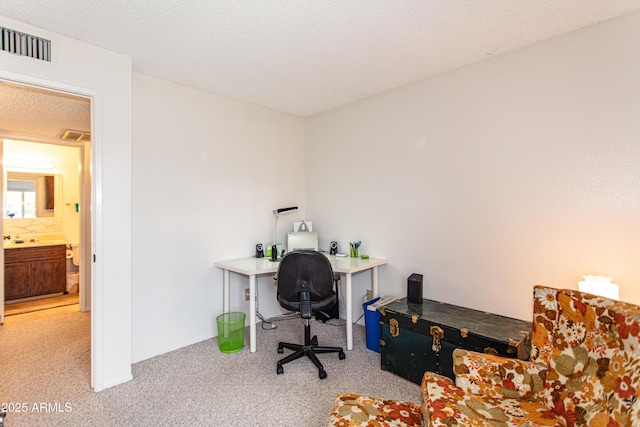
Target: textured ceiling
306,57
31,111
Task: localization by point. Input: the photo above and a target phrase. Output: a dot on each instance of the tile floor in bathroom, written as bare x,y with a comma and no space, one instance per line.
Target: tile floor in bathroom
39,305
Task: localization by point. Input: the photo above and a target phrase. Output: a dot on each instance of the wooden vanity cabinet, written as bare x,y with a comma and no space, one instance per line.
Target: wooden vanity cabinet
33,271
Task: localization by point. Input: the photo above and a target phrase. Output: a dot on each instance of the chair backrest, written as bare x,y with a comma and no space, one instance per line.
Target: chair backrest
591,348
305,274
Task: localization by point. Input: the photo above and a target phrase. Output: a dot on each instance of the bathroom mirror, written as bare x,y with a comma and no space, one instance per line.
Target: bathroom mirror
32,195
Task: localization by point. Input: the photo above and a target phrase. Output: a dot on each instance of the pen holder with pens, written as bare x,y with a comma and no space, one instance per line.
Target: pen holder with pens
353,249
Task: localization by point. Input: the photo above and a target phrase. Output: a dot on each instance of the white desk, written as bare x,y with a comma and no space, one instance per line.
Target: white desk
254,267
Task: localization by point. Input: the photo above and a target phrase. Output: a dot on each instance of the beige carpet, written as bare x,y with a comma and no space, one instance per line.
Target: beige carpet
46,364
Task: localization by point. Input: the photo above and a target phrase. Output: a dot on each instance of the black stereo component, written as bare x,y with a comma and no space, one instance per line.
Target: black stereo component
259,251
414,288
333,248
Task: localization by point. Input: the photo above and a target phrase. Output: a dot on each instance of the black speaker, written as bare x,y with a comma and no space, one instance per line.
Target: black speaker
333,248
414,288
259,251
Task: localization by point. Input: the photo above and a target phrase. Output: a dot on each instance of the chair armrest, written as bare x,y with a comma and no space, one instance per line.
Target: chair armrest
498,376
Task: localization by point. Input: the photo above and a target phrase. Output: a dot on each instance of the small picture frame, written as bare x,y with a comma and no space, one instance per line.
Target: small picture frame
300,226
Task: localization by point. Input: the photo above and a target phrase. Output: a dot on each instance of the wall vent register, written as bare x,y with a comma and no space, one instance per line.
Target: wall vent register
23,44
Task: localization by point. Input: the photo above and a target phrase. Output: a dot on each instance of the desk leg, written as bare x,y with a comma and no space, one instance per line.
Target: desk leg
225,291
374,279
252,313
349,303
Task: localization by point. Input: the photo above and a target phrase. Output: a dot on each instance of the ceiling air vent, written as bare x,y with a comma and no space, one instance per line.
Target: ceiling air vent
76,135
22,44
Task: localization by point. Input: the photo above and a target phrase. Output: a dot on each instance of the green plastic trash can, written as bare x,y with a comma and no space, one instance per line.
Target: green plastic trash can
231,331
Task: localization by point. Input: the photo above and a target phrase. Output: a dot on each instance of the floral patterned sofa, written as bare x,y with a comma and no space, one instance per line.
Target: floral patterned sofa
350,410
584,371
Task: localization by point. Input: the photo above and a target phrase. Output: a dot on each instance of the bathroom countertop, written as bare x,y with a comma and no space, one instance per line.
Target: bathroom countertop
34,244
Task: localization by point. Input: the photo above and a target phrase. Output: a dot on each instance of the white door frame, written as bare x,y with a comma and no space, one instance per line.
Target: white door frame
90,214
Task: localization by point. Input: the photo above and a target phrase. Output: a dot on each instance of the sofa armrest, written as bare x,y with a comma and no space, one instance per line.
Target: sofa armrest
497,376
358,410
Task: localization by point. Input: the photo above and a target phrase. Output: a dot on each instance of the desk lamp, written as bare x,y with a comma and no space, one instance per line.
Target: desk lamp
277,212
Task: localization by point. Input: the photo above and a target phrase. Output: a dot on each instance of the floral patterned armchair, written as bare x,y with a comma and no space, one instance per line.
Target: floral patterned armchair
584,371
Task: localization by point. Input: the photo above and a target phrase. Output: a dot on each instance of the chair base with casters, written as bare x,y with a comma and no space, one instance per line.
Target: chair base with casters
310,348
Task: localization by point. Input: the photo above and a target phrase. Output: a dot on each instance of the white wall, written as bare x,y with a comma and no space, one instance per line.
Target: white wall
106,76
207,173
519,170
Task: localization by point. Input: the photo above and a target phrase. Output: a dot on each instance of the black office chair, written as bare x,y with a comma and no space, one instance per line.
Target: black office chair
305,284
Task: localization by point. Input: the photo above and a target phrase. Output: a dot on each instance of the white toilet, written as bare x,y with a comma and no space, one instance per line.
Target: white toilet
73,267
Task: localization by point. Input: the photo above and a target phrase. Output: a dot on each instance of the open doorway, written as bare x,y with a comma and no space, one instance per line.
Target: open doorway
45,134
105,78
41,225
